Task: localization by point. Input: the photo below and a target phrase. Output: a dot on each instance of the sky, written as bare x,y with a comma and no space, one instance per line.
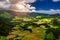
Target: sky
46,4
41,6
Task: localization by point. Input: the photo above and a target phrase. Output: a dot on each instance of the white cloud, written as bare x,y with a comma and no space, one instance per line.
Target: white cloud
32,8
22,6
4,4
30,1
55,0
51,11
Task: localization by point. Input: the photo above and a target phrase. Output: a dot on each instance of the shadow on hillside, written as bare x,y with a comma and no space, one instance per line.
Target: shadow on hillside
5,26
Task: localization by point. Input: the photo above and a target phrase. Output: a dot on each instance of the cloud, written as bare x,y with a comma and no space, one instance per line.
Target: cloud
4,4
55,0
30,1
20,6
51,11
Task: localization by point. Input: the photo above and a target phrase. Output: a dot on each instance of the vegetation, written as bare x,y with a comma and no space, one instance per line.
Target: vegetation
29,28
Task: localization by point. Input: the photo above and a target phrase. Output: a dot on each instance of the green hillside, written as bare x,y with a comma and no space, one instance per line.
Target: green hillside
34,26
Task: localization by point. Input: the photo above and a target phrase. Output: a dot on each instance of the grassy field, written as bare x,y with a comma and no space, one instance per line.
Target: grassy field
29,28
